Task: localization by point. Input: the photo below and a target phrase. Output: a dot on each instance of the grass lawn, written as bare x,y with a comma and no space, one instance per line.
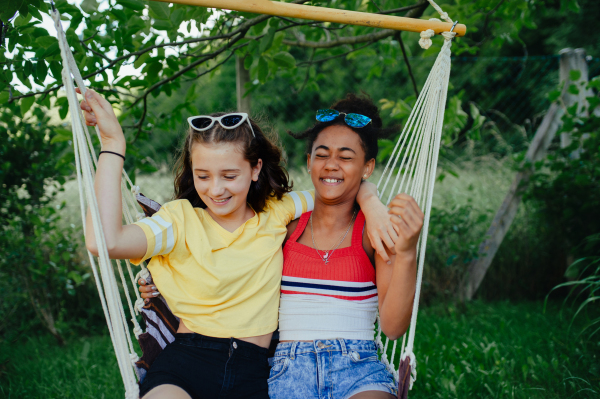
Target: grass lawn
486,350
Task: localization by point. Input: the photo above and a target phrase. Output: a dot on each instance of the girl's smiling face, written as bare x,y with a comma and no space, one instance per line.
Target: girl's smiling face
337,164
222,178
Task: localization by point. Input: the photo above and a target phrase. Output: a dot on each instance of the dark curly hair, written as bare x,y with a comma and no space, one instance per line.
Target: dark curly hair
273,180
368,135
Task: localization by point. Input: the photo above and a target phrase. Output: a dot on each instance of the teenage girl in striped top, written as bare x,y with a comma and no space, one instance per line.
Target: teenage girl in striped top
333,281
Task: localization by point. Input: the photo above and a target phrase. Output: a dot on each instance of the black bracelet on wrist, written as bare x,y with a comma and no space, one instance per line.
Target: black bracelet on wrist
114,153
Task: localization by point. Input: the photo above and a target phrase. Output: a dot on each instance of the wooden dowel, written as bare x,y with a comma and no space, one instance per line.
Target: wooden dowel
324,14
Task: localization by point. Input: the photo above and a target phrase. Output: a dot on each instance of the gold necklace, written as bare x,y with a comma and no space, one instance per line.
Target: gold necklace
325,258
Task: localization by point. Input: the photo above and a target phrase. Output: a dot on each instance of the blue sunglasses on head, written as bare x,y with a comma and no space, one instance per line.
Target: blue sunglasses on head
352,120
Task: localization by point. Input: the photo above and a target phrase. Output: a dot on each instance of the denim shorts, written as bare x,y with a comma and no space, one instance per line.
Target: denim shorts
331,368
211,368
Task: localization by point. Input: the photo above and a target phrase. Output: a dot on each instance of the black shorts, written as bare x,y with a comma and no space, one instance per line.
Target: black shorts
210,368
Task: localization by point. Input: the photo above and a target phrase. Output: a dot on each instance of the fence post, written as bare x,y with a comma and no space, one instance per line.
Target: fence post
573,60
242,77
569,60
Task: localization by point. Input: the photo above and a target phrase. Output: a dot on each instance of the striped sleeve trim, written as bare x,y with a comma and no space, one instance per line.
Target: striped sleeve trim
300,206
160,236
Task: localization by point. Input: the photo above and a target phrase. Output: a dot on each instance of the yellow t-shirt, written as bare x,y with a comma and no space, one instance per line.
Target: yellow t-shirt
221,283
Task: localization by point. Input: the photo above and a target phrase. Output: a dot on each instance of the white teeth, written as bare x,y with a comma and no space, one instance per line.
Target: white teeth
332,180
220,201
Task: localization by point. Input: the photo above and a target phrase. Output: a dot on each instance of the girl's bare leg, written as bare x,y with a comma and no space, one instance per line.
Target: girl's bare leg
372,395
167,391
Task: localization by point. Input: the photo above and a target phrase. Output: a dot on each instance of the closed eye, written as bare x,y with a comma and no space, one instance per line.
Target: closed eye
230,177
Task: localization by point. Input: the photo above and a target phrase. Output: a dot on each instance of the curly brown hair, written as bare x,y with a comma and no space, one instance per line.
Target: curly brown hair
273,180
369,134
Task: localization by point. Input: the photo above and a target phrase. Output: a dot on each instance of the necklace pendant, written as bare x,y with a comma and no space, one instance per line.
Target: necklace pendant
326,260
326,255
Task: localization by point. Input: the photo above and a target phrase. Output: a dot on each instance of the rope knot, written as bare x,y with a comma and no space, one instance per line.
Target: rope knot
137,331
134,358
425,41
448,36
135,190
139,304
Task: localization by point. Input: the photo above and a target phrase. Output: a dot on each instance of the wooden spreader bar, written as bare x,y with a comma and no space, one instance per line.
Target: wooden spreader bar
324,14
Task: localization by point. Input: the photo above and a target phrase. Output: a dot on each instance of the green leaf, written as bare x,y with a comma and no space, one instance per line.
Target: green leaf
191,94
263,69
160,10
72,274
574,75
177,17
248,61
26,104
284,59
53,49
162,25
56,69
553,95
4,97
154,68
41,70
89,6
45,41
573,89
141,60
267,40
132,4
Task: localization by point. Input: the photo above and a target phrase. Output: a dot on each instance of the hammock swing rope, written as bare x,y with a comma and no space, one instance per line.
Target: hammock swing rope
417,150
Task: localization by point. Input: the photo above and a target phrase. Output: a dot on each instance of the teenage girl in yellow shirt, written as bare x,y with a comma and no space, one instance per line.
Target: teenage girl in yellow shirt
216,250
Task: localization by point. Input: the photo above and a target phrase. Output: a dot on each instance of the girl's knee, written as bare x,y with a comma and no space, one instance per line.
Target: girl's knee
167,391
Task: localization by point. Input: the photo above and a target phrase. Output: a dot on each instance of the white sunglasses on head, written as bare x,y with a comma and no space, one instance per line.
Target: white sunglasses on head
227,121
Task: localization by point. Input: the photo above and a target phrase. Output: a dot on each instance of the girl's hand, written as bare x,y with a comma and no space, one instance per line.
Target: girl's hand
409,220
147,290
98,111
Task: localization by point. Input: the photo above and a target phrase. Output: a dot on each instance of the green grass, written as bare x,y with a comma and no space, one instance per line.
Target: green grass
486,350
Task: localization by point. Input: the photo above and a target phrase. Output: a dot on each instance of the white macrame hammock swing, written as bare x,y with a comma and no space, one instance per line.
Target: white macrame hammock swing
416,152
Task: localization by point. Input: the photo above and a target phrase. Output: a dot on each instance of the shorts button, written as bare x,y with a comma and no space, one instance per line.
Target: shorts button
235,345
320,344
355,356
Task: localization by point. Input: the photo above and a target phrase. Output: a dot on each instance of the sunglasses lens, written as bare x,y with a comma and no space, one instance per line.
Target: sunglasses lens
327,115
357,120
231,120
201,123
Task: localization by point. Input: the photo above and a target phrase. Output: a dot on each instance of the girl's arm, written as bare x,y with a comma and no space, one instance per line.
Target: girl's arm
380,229
122,242
396,282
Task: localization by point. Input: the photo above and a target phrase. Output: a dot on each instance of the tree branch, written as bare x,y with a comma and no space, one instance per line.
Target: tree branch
336,56
486,22
398,36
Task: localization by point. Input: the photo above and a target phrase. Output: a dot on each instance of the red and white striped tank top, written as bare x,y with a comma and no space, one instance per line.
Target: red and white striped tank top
324,301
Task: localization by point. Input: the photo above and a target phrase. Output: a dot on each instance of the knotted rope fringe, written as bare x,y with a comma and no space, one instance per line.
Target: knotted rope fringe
104,274
418,149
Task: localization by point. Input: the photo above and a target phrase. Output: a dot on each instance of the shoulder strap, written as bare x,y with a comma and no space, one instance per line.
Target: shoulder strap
300,227
358,229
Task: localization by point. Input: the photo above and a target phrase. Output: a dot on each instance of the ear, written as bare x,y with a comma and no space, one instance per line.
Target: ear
308,162
256,170
369,168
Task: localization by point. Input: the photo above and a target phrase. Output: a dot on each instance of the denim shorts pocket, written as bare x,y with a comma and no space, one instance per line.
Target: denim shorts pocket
279,366
363,356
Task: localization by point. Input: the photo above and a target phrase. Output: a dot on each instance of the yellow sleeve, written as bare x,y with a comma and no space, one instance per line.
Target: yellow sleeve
294,204
161,234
